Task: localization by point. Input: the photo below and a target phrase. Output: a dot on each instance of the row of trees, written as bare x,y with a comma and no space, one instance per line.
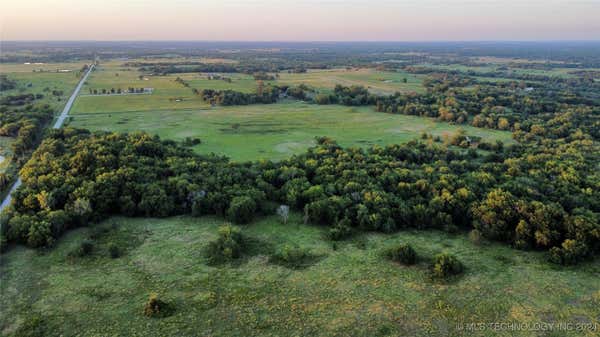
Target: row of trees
264,95
112,91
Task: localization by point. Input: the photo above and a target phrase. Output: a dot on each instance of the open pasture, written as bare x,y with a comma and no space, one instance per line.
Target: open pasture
167,93
349,290
379,82
274,131
43,83
29,67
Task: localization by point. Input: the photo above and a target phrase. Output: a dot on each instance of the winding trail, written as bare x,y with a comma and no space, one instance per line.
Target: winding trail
57,125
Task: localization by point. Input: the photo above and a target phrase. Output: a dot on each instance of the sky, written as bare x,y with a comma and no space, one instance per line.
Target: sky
300,20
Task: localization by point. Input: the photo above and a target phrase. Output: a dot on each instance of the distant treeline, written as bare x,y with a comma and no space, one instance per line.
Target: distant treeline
165,68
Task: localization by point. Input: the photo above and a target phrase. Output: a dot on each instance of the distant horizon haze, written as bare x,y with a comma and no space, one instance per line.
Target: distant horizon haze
300,21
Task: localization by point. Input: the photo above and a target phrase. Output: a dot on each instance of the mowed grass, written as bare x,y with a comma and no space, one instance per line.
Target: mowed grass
275,131
350,290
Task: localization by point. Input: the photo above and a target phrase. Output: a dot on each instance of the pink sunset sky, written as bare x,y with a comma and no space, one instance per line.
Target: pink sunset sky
309,20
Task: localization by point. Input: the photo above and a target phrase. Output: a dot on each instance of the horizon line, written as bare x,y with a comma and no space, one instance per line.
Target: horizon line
300,41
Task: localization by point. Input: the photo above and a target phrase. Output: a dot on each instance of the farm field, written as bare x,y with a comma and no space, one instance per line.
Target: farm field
274,131
378,82
347,290
558,72
167,94
43,82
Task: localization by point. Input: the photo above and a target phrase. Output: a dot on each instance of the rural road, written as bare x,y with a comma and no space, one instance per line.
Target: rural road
57,125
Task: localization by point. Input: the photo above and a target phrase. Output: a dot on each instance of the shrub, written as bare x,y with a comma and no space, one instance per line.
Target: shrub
229,245
155,307
3,243
85,248
33,326
446,265
292,257
340,231
403,253
570,252
475,237
113,250
241,210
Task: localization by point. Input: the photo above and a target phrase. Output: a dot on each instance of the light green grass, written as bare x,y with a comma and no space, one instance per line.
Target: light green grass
239,82
275,131
167,93
44,83
349,291
378,82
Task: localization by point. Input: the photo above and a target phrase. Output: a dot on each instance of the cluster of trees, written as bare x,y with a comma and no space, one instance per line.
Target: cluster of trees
264,95
21,99
539,194
262,76
198,67
504,106
354,96
112,91
7,83
24,123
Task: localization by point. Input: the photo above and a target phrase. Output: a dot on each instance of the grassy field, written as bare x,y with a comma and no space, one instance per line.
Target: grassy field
379,82
170,94
556,72
349,290
274,131
43,82
167,93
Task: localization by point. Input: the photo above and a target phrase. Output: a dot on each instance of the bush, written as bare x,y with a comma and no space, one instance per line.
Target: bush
292,257
85,248
33,326
241,210
446,265
571,252
155,307
3,243
475,237
229,246
340,231
403,253
113,250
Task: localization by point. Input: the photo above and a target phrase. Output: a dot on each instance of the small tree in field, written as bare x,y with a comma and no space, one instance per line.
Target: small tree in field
446,265
283,211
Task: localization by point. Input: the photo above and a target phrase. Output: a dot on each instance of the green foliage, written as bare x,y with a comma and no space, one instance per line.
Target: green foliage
156,307
85,248
33,325
241,210
340,231
403,253
229,245
446,265
475,237
570,252
292,257
113,250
